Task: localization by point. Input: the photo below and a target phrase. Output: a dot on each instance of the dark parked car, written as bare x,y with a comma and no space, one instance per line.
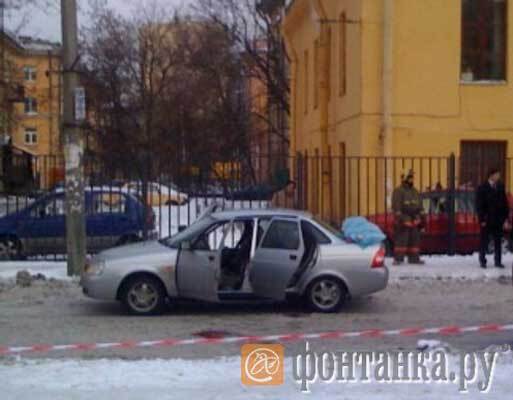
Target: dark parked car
435,238
40,228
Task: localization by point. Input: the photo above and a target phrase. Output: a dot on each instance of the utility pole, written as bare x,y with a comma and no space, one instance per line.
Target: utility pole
73,143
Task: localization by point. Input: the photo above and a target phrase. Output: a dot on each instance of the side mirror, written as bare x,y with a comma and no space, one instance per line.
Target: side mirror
186,245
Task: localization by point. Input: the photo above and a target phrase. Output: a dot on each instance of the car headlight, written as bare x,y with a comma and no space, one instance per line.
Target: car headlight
94,267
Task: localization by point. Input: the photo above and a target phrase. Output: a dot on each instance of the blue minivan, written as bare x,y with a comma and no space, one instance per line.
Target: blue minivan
112,218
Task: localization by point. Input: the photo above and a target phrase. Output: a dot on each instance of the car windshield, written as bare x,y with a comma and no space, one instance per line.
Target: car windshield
188,234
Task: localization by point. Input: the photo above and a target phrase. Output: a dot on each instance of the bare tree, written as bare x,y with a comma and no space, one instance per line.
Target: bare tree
167,94
254,25
129,63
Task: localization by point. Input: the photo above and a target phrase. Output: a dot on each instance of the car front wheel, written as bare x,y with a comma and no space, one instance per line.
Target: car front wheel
143,295
326,294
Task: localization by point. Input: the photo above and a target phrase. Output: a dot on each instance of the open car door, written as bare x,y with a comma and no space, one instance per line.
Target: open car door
199,264
277,258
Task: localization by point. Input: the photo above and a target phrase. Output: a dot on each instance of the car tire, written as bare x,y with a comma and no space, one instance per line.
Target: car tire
326,294
143,295
10,248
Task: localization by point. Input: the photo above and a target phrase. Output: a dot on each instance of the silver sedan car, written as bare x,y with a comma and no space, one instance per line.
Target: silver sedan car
228,256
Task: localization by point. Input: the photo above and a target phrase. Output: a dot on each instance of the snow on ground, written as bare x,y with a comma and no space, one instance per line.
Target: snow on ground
437,267
209,380
50,269
447,267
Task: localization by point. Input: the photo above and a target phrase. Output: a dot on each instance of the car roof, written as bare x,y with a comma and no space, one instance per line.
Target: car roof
263,212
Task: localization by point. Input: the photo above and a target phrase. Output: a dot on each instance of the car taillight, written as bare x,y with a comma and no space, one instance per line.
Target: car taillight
379,259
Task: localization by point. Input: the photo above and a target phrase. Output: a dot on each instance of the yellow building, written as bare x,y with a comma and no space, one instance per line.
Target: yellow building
398,78
35,66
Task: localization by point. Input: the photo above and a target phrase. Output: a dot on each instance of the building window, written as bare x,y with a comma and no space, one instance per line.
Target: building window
30,105
306,72
316,73
29,73
483,40
342,54
30,136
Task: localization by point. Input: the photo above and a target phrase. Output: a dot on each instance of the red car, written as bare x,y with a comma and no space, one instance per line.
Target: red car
435,239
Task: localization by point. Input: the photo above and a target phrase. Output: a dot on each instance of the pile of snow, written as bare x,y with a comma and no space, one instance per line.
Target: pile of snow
207,379
48,269
447,267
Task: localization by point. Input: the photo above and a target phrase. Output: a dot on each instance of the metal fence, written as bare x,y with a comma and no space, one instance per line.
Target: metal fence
332,188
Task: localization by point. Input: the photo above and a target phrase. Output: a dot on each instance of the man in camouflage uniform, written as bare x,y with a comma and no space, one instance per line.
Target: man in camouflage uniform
409,220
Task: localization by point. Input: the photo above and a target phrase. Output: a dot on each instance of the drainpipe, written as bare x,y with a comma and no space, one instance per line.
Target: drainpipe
324,92
292,54
50,100
388,75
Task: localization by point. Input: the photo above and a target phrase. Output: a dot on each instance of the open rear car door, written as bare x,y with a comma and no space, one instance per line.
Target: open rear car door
277,258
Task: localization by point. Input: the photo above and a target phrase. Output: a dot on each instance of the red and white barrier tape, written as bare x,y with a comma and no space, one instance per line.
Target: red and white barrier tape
371,333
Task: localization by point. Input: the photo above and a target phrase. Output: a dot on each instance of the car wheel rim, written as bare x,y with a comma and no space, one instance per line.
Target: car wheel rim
7,249
326,294
143,297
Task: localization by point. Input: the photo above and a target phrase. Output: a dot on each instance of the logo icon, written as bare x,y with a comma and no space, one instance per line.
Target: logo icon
262,364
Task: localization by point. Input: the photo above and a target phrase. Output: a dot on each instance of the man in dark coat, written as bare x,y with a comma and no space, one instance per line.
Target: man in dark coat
492,210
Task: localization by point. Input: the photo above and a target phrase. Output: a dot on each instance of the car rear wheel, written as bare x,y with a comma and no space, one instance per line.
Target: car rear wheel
143,295
326,294
9,249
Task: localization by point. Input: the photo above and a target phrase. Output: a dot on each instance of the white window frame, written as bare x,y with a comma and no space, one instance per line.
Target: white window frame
29,73
30,109
32,136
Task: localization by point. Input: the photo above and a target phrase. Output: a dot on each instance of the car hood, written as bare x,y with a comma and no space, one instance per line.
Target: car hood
135,250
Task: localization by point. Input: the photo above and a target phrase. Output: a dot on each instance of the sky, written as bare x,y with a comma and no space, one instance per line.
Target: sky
45,22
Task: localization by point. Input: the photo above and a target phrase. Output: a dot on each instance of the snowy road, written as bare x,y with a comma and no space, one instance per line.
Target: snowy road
445,292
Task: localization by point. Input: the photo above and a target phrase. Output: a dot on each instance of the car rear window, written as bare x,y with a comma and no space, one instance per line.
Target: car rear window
320,237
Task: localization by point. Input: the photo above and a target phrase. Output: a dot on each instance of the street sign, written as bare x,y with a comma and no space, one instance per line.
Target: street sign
80,104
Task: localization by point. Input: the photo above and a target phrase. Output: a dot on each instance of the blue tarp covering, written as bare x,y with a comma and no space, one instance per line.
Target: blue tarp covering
362,232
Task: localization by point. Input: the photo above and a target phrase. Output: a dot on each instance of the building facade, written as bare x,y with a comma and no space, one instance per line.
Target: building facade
400,78
34,66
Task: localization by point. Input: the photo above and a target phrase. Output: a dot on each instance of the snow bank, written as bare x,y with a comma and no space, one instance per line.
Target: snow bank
55,270
209,379
437,267
446,267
